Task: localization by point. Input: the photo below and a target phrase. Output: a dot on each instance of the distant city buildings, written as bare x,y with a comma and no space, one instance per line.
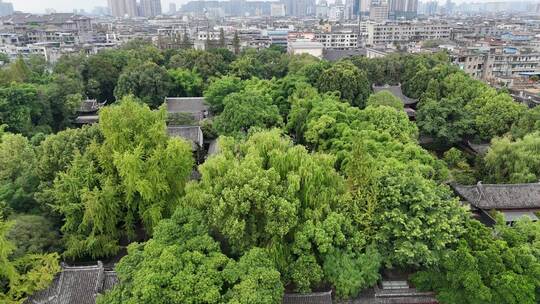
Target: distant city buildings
6,8
497,49
123,8
172,8
150,8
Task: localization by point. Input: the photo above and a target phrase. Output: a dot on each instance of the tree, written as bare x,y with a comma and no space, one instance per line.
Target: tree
326,124
186,41
101,73
348,80
460,170
528,122
56,152
220,88
183,264
33,234
22,109
513,162
236,43
351,272
297,62
132,179
245,110
267,193
207,64
23,276
447,120
495,113
401,204
222,42
385,98
148,82
185,83
488,266
64,94
18,180
311,71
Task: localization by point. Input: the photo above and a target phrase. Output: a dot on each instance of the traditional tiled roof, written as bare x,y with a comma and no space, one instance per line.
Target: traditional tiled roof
76,285
310,298
195,106
507,196
193,134
90,106
87,119
480,149
396,91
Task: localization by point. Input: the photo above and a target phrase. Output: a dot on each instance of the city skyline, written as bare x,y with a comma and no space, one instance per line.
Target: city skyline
37,6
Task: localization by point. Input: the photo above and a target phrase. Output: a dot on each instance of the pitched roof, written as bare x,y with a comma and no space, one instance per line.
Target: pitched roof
506,196
76,285
192,105
310,298
90,106
396,91
87,119
191,133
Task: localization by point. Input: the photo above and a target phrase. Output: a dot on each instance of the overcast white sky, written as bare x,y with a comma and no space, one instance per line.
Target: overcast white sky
39,6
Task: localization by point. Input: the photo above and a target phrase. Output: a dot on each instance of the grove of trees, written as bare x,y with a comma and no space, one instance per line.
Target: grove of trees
318,184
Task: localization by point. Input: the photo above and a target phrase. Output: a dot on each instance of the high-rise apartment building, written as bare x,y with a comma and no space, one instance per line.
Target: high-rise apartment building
403,9
172,8
6,8
378,10
123,8
150,8
300,8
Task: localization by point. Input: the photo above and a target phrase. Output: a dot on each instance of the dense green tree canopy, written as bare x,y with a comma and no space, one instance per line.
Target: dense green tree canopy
18,178
207,64
24,275
348,80
245,110
149,82
134,177
33,234
183,264
185,83
488,267
514,162
267,193
385,98
219,89
341,191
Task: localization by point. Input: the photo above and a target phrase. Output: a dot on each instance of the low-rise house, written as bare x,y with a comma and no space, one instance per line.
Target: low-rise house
514,201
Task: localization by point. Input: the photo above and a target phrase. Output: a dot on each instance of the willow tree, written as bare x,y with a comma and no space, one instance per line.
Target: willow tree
266,192
133,178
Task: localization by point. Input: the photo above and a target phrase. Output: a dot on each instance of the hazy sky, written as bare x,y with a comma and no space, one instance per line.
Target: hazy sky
39,6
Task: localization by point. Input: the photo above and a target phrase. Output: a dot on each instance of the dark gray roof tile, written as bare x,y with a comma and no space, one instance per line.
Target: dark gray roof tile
504,196
310,298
